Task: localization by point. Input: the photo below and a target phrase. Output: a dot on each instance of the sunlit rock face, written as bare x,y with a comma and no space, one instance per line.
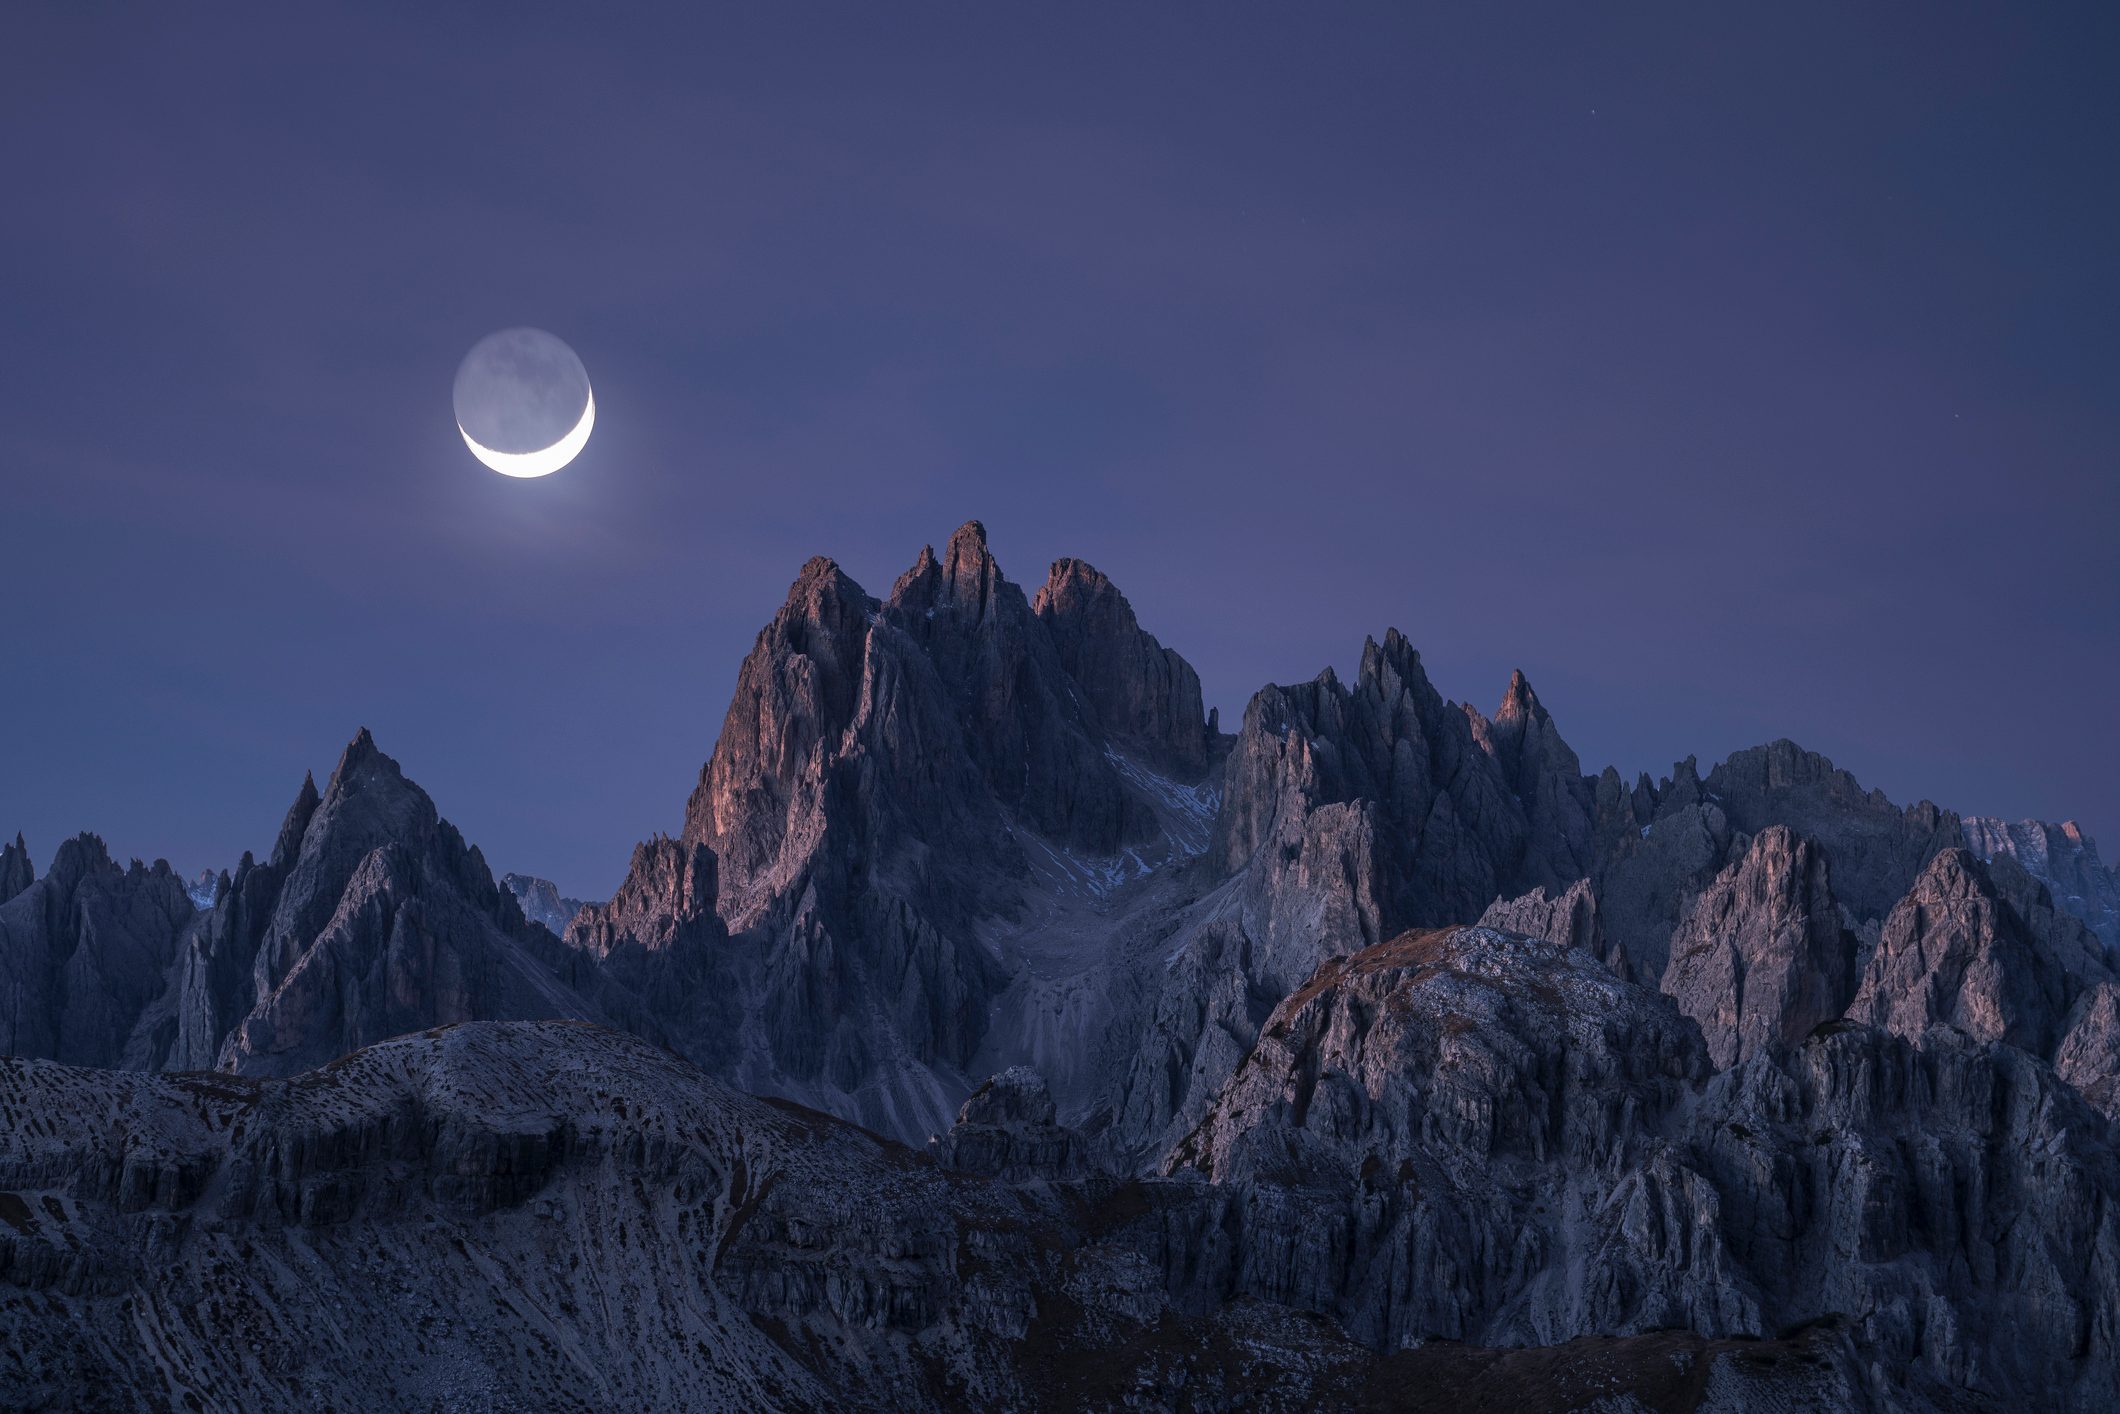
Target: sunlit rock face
1960,952
1760,957
911,795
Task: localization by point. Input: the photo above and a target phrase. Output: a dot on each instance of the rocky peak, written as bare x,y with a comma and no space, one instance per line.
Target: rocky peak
796,695
386,920
668,895
1024,720
971,578
77,859
1519,702
1006,1129
916,590
83,953
1760,958
1546,777
1449,835
1876,848
16,871
1142,693
1568,918
1955,953
367,803
296,824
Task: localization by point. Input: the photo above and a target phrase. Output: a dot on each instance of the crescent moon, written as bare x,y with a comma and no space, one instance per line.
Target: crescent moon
545,460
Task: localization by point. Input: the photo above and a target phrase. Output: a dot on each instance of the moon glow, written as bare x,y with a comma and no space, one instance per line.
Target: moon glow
523,403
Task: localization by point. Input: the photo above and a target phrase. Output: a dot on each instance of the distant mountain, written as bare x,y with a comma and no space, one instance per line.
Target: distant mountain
1380,1009
2062,858
541,902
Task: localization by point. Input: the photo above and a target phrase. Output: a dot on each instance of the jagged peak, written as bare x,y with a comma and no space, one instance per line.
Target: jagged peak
16,871
1519,701
1955,872
78,857
818,569
915,589
362,766
296,822
1395,663
822,595
1070,573
970,573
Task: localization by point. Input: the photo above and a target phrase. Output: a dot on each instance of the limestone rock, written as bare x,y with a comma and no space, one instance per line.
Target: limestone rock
84,952
1467,1134
2062,857
1006,1129
1568,917
1760,958
1876,849
1659,845
1547,780
899,781
1141,692
1349,814
1955,953
2089,1055
215,985
384,922
661,942
545,1215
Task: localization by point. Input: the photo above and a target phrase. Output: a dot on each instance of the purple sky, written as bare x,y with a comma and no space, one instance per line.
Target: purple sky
1736,375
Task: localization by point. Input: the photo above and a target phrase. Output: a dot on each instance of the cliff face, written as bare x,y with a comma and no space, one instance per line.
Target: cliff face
1958,951
1140,692
1760,957
558,1216
1491,1138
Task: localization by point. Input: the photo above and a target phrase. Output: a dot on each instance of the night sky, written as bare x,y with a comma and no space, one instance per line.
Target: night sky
1736,375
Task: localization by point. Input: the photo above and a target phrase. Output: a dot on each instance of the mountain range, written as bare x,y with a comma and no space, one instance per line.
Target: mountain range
997,1031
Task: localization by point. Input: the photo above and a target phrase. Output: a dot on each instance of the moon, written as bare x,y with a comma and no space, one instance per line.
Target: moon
523,402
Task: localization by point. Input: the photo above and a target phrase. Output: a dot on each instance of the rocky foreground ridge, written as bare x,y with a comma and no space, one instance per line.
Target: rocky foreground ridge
1748,1086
